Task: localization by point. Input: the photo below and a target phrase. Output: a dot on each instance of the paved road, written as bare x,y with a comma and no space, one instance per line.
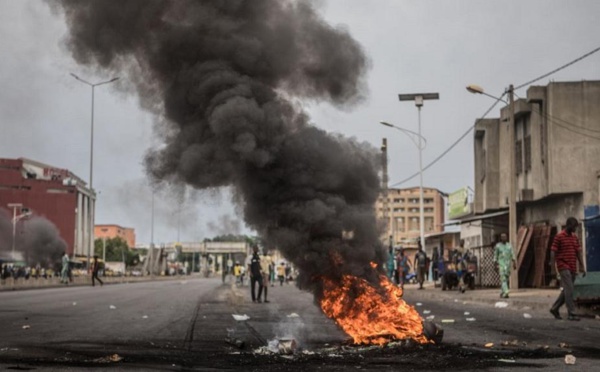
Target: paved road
181,325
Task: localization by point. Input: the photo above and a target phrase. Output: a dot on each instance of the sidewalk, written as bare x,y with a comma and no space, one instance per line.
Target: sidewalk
539,299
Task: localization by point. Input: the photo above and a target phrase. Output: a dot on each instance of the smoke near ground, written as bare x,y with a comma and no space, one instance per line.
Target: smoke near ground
225,79
36,238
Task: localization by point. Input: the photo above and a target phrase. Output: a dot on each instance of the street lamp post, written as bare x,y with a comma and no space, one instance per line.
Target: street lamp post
418,99
512,196
92,209
14,207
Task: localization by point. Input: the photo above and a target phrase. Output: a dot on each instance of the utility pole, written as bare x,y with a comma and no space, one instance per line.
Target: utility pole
384,188
512,203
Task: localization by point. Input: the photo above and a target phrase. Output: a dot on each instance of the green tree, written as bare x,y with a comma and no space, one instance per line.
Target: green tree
116,250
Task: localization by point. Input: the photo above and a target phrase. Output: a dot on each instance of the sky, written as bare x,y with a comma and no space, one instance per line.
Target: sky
413,46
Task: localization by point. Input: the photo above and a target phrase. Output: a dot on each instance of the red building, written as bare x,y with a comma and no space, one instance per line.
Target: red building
53,193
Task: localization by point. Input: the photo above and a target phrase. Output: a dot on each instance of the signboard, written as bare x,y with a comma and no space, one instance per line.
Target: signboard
458,203
225,247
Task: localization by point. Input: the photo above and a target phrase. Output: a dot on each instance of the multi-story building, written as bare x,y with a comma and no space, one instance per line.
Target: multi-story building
113,231
53,193
403,214
557,165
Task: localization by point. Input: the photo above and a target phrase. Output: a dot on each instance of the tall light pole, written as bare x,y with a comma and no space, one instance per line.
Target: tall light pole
92,209
512,196
14,207
418,99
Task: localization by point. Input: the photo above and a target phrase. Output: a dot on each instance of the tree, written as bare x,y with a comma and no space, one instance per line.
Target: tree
116,248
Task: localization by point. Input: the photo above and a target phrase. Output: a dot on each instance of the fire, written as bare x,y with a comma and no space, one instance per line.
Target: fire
371,315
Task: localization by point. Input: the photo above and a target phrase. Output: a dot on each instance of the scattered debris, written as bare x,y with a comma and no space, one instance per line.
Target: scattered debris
510,343
240,318
470,319
235,342
26,326
287,346
447,320
418,304
467,313
563,345
489,345
308,352
527,316
570,359
112,307
507,360
501,304
109,359
426,312
293,315
455,300
430,317
145,317
74,303
8,349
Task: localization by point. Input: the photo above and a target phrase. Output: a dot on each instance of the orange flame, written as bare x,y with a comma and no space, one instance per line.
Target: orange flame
371,315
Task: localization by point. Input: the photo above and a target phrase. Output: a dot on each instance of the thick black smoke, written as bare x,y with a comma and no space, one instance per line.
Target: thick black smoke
223,76
36,238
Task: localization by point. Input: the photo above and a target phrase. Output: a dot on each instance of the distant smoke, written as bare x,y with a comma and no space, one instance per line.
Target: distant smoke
222,76
37,239
225,225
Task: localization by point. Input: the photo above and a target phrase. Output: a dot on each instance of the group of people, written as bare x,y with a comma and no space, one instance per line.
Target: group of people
565,255
263,273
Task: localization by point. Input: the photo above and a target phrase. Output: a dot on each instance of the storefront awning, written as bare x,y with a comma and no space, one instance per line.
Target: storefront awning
478,217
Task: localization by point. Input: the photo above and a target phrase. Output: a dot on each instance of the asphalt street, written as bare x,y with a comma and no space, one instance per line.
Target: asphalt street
182,325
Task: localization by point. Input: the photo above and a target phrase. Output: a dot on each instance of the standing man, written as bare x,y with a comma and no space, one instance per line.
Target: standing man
255,275
420,264
503,256
564,254
265,265
95,269
64,273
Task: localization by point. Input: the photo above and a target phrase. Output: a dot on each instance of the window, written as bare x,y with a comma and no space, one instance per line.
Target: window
428,201
398,200
414,224
400,224
519,157
398,209
428,223
527,153
428,210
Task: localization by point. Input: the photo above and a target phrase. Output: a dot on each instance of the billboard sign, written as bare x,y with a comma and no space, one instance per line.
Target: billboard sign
458,203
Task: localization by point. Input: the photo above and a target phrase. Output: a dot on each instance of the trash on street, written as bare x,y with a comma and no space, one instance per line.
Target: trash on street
501,304
570,359
240,318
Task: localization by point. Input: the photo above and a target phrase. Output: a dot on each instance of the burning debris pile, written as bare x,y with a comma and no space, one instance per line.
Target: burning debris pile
371,314
225,80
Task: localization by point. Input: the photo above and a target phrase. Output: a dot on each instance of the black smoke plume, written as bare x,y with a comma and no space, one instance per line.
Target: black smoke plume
36,238
226,77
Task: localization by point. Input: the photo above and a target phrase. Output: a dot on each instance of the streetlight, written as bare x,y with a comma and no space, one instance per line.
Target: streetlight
512,202
15,219
92,209
418,99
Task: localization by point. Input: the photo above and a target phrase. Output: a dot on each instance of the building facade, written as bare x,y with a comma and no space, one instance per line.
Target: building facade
557,164
53,193
400,215
114,231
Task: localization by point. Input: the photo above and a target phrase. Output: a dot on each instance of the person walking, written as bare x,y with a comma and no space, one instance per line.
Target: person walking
281,273
265,264
403,268
503,256
420,264
64,273
95,269
564,254
255,275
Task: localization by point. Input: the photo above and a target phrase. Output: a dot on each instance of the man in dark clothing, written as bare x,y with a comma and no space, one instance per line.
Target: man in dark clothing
420,265
95,269
255,275
565,253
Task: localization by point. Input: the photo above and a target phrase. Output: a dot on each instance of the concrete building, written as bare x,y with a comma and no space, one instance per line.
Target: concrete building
53,193
113,231
557,160
401,220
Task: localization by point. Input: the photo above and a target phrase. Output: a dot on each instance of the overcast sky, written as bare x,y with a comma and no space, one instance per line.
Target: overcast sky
413,46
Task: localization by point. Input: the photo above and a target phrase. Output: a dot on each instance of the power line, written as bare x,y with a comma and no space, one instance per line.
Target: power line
451,146
558,69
